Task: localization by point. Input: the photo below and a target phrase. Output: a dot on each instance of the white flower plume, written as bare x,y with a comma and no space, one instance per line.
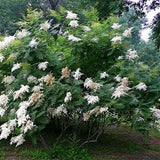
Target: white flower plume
73,23
116,26
71,15
15,67
42,66
73,38
77,74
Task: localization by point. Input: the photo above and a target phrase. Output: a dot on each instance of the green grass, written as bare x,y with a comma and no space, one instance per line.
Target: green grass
2,155
113,142
155,133
35,154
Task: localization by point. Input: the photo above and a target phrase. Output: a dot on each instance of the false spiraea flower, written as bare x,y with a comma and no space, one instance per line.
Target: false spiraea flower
66,72
91,99
42,66
77,74
73,23
71,15
49,79
116,26
68,97
73,38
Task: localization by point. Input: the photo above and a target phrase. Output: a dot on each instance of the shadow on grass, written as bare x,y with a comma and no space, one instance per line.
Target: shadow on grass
116,144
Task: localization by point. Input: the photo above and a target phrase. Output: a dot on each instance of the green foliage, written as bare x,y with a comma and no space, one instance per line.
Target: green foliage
108,7
36,154
66,150
10,12
156,31
46,89
70,151
96,51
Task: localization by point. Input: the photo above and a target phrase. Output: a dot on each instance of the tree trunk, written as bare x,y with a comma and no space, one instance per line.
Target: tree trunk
53,7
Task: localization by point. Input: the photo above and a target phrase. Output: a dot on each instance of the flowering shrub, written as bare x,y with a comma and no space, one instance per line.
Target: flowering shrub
37,86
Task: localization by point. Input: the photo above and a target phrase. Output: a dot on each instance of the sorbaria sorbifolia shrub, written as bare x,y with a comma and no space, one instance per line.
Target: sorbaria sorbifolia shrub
86,76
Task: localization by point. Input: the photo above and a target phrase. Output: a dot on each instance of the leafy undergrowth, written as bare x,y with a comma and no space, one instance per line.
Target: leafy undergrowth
116,144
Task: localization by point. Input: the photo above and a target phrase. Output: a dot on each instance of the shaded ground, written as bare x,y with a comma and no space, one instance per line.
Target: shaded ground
125,144
117,144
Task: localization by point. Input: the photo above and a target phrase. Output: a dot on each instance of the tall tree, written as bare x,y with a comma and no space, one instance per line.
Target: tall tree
10,12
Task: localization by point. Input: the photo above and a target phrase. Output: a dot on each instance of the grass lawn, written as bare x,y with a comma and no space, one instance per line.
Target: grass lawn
117,144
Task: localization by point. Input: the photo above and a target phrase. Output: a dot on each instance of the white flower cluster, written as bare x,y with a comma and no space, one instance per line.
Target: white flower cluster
45,26
3,100
7,128
131,54
68,97
73,23
1,57
104,75
127,32
20,93
8,79
23,121
122,88
141,86
118,78
71,15
91,99
22,34
116,26
37,88
17,139
77,74
15,67
22,113
120,57
73,38
103,109
117,40
156,113
97,110
59,110
33,43
6,42
2,111
86,28
3,104
89,84
32,79
42,66
36,95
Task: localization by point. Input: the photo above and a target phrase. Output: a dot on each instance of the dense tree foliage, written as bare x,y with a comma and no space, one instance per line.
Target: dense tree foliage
13,10
10,12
